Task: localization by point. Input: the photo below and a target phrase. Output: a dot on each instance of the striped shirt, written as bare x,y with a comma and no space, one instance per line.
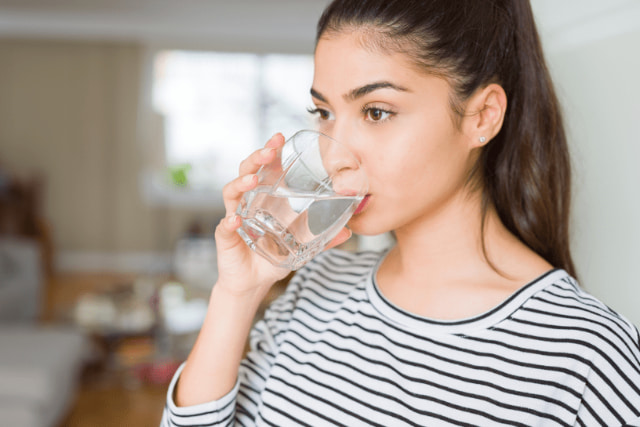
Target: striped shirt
333,351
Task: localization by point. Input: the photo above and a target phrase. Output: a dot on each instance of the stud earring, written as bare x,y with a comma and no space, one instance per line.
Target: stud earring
482,139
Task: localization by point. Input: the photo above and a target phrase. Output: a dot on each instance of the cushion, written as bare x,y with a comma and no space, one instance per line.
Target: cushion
39,369
21,279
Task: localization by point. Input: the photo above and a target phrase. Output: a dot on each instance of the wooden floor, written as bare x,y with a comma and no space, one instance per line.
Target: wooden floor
115,406
102,401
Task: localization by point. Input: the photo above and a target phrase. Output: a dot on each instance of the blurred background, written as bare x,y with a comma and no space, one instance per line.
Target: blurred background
121,120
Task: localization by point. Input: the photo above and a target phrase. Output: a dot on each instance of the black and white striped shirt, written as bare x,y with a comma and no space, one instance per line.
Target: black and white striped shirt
333,351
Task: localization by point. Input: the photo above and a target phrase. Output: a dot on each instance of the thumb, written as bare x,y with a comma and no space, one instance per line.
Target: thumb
342,236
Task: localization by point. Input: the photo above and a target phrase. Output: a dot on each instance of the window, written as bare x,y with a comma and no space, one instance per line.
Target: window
216,108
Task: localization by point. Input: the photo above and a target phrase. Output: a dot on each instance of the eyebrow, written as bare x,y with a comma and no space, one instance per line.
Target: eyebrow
362,90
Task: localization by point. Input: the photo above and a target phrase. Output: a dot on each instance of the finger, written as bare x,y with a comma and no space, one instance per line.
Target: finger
256,159
276,141
225,234
262,157
343,236
233,191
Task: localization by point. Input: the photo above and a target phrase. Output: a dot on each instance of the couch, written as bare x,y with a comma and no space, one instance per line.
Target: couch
39,364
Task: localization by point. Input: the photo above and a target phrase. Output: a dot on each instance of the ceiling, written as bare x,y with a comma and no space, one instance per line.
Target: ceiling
286,25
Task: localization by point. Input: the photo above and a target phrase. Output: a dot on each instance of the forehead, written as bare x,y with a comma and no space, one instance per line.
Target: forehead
344,61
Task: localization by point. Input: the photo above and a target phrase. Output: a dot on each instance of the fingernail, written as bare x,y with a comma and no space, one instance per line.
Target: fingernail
266,151
248,179
232,219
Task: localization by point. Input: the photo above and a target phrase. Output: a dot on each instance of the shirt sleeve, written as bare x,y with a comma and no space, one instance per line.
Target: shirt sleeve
241,405
219,412
612,391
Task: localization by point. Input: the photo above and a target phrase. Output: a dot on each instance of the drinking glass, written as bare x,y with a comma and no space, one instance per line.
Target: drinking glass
303,199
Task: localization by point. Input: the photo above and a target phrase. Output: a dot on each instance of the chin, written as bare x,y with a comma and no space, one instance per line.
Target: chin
366,224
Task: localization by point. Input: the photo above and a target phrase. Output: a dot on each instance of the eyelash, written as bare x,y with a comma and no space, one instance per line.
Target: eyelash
317,111
366,110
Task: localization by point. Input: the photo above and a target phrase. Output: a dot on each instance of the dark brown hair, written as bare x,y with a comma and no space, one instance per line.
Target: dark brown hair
525,171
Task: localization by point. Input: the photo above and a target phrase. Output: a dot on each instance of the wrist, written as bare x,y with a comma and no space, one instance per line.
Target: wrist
230,295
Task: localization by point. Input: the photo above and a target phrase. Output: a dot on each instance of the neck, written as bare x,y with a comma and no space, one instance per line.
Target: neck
438,267
447,246
443,240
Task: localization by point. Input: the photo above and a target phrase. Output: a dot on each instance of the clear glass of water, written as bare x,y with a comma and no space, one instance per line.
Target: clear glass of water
303,199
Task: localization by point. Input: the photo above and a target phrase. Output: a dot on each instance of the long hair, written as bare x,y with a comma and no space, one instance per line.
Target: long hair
525,171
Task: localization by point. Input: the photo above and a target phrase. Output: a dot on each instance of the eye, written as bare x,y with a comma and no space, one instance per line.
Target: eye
321,113
376,114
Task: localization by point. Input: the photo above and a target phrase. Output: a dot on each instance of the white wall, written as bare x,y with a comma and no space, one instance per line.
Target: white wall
599,86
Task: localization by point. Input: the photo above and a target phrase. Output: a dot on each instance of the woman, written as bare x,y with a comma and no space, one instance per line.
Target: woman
474,316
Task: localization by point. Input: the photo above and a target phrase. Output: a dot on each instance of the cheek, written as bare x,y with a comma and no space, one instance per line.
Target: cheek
424,169
421,152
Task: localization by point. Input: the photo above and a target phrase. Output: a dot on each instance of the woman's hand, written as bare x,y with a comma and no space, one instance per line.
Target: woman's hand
244,278
241,271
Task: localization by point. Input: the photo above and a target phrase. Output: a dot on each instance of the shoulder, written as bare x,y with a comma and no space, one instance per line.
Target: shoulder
333,275
335,267
332,271
565,297
609,342
564,307
320,287
344,261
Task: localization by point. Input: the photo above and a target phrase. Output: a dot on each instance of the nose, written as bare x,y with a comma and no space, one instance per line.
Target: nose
346,134
342,167
336,155
337,158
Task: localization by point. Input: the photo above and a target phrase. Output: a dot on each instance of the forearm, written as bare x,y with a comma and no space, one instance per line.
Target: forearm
244,278
211,369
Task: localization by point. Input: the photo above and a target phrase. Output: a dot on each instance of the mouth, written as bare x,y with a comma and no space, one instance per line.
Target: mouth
363,204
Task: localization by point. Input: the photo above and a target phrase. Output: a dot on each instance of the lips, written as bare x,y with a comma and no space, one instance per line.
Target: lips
363,204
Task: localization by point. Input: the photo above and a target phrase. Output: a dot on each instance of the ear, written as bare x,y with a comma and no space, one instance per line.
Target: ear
484,116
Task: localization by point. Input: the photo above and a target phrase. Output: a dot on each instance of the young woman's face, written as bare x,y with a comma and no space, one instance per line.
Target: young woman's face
398,122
